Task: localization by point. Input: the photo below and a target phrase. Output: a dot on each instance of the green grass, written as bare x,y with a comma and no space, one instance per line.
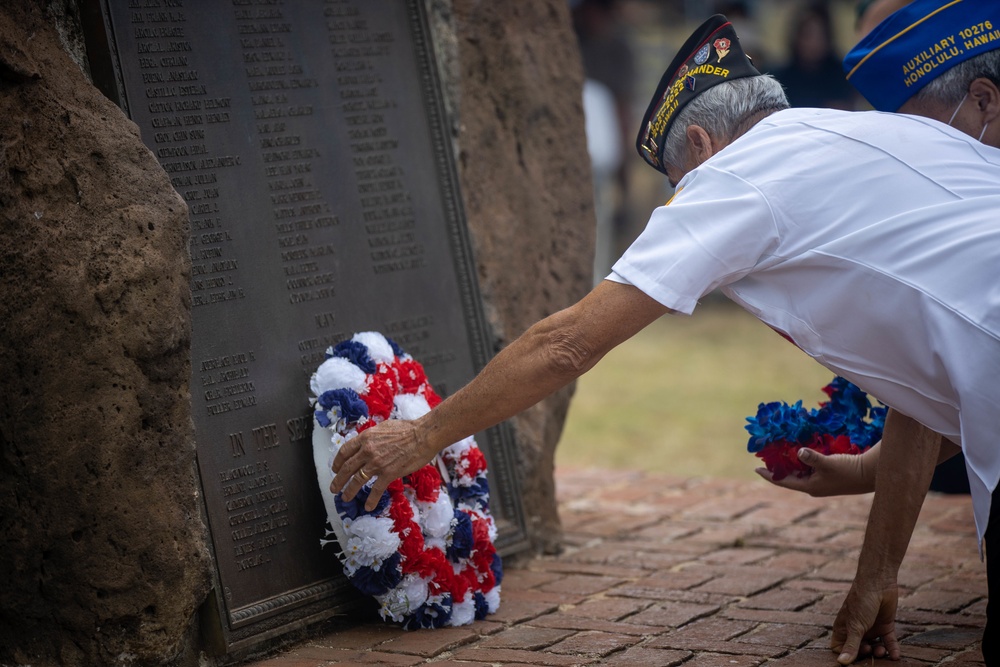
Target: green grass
674,398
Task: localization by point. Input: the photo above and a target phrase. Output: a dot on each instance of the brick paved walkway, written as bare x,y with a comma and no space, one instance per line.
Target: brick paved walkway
702,573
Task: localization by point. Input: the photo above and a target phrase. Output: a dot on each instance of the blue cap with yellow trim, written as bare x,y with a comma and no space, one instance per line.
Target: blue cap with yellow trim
917,43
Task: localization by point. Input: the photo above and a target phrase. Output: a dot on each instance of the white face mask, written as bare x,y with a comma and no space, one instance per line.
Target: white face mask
955,113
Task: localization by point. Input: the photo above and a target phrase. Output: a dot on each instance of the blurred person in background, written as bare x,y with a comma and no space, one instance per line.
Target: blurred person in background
610,73
813,77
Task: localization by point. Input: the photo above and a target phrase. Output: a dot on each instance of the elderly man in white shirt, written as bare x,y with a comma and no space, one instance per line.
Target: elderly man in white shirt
871,240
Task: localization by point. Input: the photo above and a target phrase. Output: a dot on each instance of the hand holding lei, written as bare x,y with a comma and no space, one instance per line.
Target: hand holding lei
846,424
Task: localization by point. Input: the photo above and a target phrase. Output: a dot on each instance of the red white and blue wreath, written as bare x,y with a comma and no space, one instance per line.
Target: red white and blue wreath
846,424
426,553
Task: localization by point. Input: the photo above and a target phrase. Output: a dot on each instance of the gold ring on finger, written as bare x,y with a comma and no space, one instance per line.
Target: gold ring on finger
364,476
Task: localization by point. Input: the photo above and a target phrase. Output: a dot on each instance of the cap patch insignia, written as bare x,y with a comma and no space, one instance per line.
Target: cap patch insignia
722,47
702,55
689,83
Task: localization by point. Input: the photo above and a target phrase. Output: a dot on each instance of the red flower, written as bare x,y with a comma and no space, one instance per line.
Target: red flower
781,458
411,375
426,483
379,395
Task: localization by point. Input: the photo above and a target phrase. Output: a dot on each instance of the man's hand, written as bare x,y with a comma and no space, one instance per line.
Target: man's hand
387,452
866,624
833,475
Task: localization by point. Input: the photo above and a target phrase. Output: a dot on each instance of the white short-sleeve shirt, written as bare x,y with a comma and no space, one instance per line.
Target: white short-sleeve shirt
873,241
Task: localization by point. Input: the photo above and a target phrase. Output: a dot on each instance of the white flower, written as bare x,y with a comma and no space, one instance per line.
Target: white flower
378,347
370,541
405,599
337,373
492,599
410,406
459,449
464,612
437,516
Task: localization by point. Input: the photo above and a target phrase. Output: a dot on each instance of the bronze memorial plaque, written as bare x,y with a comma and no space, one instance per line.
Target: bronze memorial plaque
309,141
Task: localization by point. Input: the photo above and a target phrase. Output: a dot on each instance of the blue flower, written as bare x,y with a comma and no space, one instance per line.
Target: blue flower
323,417
356,353
370,581
497,568
396,349
430,614
461,538
352,509
477,493
344,403
844,414
482,608
778,421
847,399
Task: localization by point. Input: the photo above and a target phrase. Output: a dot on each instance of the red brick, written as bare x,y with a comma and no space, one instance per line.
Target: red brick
815,658
525,637
779,514
522,580
741,581
842,569
505,655
948,638
358,637
742,556
934,599
607,608
781,634
429,643
595,569
679,641
647,657
717,509
522,608
593,644
797,562
568,622
723,660
336,656
793,617
800,535
672,614
580,585
781,599
655,587
292,660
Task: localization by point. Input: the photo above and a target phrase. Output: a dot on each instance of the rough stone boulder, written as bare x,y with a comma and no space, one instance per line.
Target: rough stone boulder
103,557
526,184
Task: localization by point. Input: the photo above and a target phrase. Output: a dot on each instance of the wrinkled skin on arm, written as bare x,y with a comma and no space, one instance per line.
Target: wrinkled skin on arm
909,452
547,357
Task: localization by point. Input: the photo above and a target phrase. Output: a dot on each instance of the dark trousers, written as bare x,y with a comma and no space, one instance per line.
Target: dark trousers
991,636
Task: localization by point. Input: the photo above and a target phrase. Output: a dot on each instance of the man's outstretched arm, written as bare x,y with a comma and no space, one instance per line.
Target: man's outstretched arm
547,357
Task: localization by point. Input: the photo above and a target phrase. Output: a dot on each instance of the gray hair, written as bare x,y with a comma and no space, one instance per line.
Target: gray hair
952,85
722,109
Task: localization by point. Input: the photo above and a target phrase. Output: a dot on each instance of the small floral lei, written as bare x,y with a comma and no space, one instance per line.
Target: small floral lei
846,424
426,552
